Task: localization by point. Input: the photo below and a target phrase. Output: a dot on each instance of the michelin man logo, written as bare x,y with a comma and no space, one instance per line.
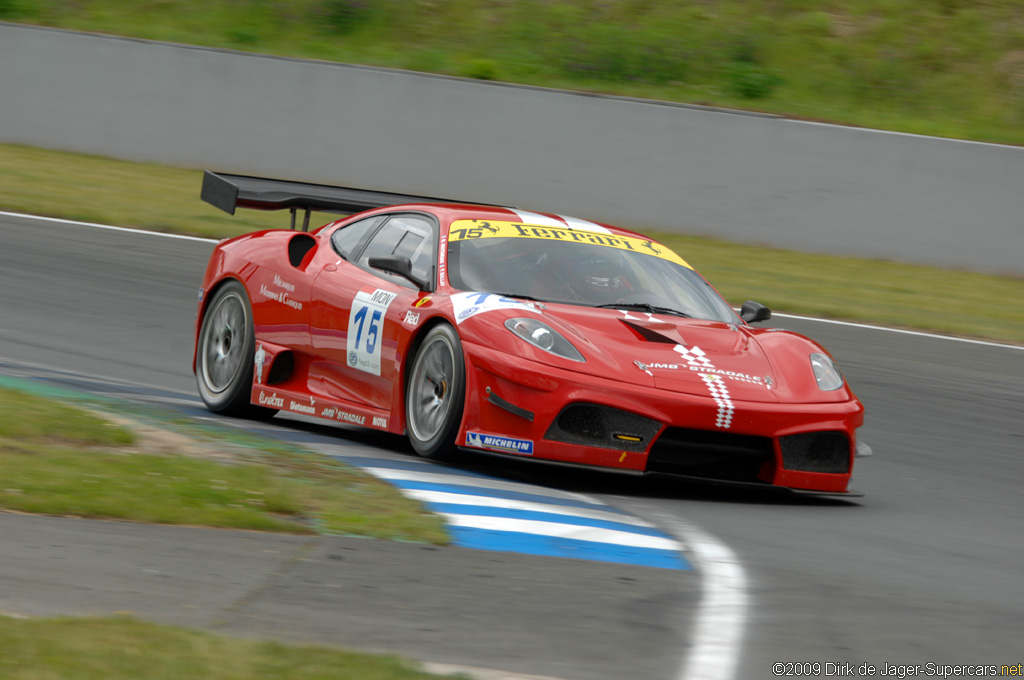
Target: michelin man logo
260,358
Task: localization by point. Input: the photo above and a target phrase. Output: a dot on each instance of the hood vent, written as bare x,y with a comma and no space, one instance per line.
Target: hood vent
655,331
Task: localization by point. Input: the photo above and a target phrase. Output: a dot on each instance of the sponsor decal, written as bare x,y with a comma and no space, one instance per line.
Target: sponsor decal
412,319
735,375
343,416
699,364
281,283
466,305
301,408
201,293
346,417
422,302
382,423
270,400
279,296
442,254
495,443
467,230
260,358
365,329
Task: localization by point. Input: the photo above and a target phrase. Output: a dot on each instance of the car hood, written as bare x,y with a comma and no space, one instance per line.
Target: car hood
667,352
677,354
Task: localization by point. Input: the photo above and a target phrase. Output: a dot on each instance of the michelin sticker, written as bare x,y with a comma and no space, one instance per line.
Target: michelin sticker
467,305
523,447
365,328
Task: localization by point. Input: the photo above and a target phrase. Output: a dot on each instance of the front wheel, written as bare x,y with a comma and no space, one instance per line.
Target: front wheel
225,354
436,394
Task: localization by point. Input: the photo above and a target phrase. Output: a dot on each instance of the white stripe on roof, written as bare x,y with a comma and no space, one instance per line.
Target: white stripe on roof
528,217
584,225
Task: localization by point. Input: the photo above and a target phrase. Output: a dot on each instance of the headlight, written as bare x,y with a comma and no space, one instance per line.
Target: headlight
542,336
826,372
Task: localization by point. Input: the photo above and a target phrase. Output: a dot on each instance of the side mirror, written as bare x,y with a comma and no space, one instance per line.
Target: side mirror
398,264
752,312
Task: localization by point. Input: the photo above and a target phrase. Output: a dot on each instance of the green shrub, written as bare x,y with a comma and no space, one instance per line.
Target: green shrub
342,17
16,9
751,81
480,69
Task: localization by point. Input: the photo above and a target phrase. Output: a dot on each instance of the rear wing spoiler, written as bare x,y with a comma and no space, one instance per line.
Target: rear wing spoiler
229,192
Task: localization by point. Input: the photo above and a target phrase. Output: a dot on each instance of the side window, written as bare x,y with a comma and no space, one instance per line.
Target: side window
346,240
411,236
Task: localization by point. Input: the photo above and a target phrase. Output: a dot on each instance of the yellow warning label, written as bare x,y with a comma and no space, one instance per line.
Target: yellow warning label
467,230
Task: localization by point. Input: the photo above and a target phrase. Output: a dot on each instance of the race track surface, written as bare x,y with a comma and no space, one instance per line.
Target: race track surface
924,569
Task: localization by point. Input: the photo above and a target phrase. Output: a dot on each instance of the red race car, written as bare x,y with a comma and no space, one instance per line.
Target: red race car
475,327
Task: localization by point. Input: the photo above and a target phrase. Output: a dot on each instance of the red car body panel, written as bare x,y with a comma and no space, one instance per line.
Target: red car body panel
739,388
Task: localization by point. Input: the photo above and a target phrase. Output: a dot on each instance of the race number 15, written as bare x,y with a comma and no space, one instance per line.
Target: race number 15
364,329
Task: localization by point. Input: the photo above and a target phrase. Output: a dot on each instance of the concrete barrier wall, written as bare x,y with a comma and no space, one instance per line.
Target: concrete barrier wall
641,164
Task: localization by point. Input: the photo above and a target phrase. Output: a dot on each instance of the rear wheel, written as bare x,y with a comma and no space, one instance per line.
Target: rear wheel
436,394
225,354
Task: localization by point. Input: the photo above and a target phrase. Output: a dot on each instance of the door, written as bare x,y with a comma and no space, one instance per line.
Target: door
357,311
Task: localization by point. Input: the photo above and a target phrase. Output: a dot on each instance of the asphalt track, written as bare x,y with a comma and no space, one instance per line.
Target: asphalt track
924,569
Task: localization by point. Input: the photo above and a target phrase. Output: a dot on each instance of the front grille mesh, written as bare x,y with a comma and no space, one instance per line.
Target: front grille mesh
596,425
710,454
816,452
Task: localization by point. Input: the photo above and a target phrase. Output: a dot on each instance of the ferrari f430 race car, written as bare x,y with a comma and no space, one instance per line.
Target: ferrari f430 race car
485,328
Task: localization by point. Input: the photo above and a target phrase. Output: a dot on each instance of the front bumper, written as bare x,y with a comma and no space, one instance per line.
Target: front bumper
514,406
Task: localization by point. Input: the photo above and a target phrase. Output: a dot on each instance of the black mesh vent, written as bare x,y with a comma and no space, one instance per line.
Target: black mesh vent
281,369
710,454
595,425
816,452
298,247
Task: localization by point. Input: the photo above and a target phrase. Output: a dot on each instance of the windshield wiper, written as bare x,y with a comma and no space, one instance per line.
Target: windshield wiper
645,307
517,295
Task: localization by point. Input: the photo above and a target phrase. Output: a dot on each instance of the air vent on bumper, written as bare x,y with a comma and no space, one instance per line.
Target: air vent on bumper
603,427
710,454
816,452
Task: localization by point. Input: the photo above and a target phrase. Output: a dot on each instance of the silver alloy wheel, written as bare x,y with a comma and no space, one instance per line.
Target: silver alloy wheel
431,395
223,343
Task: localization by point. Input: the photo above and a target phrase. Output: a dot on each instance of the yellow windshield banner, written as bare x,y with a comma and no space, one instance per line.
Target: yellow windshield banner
468,230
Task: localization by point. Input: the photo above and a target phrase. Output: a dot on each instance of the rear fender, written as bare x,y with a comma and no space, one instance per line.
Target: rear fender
204,303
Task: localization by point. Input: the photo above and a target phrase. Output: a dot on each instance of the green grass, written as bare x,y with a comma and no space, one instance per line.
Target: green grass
871,291
96,189
57,459
122,648
943,67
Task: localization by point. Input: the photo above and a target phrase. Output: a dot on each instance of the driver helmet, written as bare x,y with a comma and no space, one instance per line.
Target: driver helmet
599,272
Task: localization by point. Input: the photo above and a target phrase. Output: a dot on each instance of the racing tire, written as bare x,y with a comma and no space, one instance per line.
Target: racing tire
435,394
225,355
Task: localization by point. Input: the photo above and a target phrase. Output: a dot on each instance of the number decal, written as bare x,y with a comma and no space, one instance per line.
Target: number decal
467,305
371,335
359,316
364,355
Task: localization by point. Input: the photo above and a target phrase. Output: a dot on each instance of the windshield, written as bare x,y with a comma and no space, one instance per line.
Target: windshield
580,268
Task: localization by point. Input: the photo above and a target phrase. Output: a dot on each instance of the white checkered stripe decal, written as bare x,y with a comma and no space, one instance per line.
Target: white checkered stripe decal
720,393
697,359
694,356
